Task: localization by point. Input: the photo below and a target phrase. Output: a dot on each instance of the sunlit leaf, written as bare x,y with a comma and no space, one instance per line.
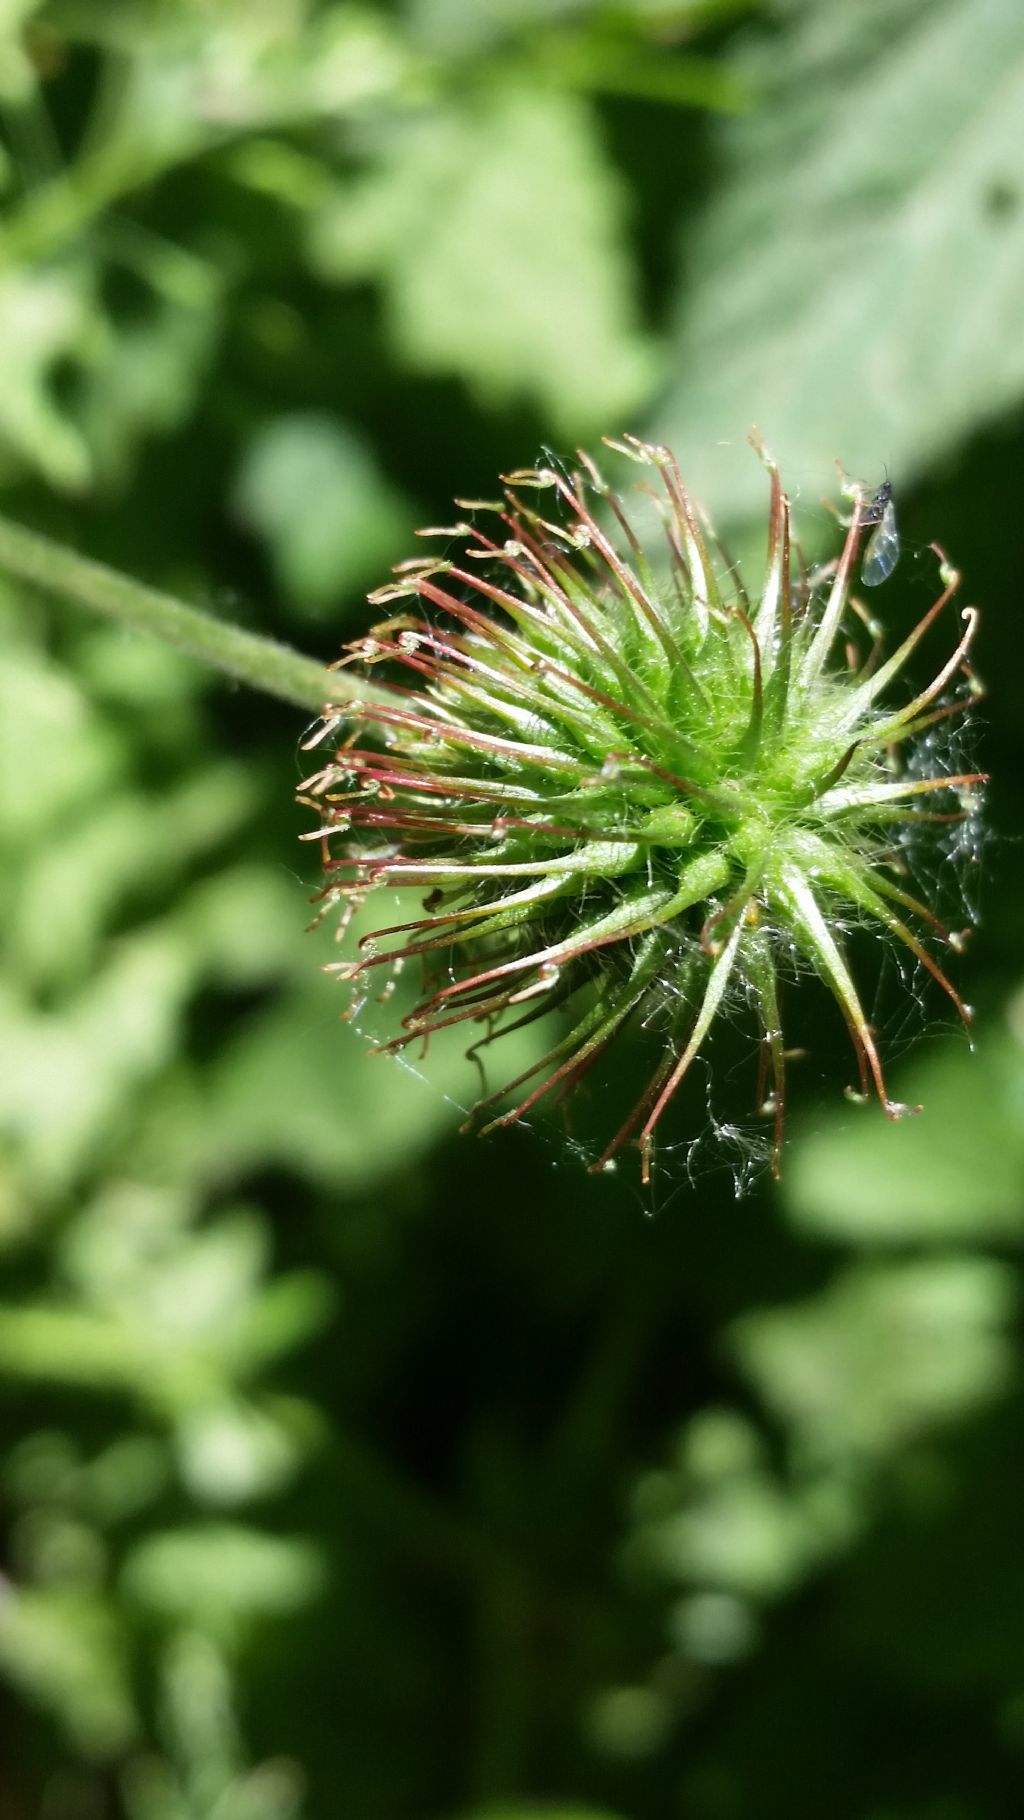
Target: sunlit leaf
497,234
853,287
956,1172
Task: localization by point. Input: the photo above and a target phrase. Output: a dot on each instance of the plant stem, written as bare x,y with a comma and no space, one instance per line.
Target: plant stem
259,662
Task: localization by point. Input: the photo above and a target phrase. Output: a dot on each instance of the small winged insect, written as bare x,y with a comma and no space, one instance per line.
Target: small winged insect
883,549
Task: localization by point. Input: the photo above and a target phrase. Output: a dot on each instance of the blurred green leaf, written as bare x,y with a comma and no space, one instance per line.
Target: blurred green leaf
156,685
447,26
124,1478
722,1518
45,317
203,1773
630,1722
956,1172
298,1087
51,1343
16,74
55,753
173,1317
853,287
64,1081
272,1791
130,1256
131,844
311,489
63,1649
46,1470
886,1352
241,922
618,63
497,234
228,1572
145,379
854,1376
59,1552
232,1452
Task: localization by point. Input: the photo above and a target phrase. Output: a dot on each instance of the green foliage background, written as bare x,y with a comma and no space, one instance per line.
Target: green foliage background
347,1467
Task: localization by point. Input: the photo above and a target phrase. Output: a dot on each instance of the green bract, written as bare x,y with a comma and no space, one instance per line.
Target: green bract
623,784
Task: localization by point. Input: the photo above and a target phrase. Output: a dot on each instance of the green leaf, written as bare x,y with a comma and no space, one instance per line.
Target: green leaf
231,1452
55,753
130,844
17,76
299,1089
497,233
242,924
197,1298
311,489
54,1343
204,1772
156,1310
224,1570
884,1354
722,1519
63,1651
854,286
65,1079
955,1172
46,317
146,380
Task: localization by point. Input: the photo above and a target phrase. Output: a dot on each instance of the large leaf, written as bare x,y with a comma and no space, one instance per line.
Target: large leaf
854,288
497,233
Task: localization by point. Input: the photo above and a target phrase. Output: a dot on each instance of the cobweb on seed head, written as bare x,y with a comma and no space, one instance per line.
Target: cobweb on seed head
946,863
714,1125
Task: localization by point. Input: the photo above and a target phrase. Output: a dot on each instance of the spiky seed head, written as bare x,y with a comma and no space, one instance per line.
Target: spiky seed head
619,779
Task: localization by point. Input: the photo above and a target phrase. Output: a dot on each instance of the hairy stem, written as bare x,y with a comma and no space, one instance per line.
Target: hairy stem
259,662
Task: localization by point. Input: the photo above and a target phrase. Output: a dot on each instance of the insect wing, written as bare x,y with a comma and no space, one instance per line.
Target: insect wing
883,551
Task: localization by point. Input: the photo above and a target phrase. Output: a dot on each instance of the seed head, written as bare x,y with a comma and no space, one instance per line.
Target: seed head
622,783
